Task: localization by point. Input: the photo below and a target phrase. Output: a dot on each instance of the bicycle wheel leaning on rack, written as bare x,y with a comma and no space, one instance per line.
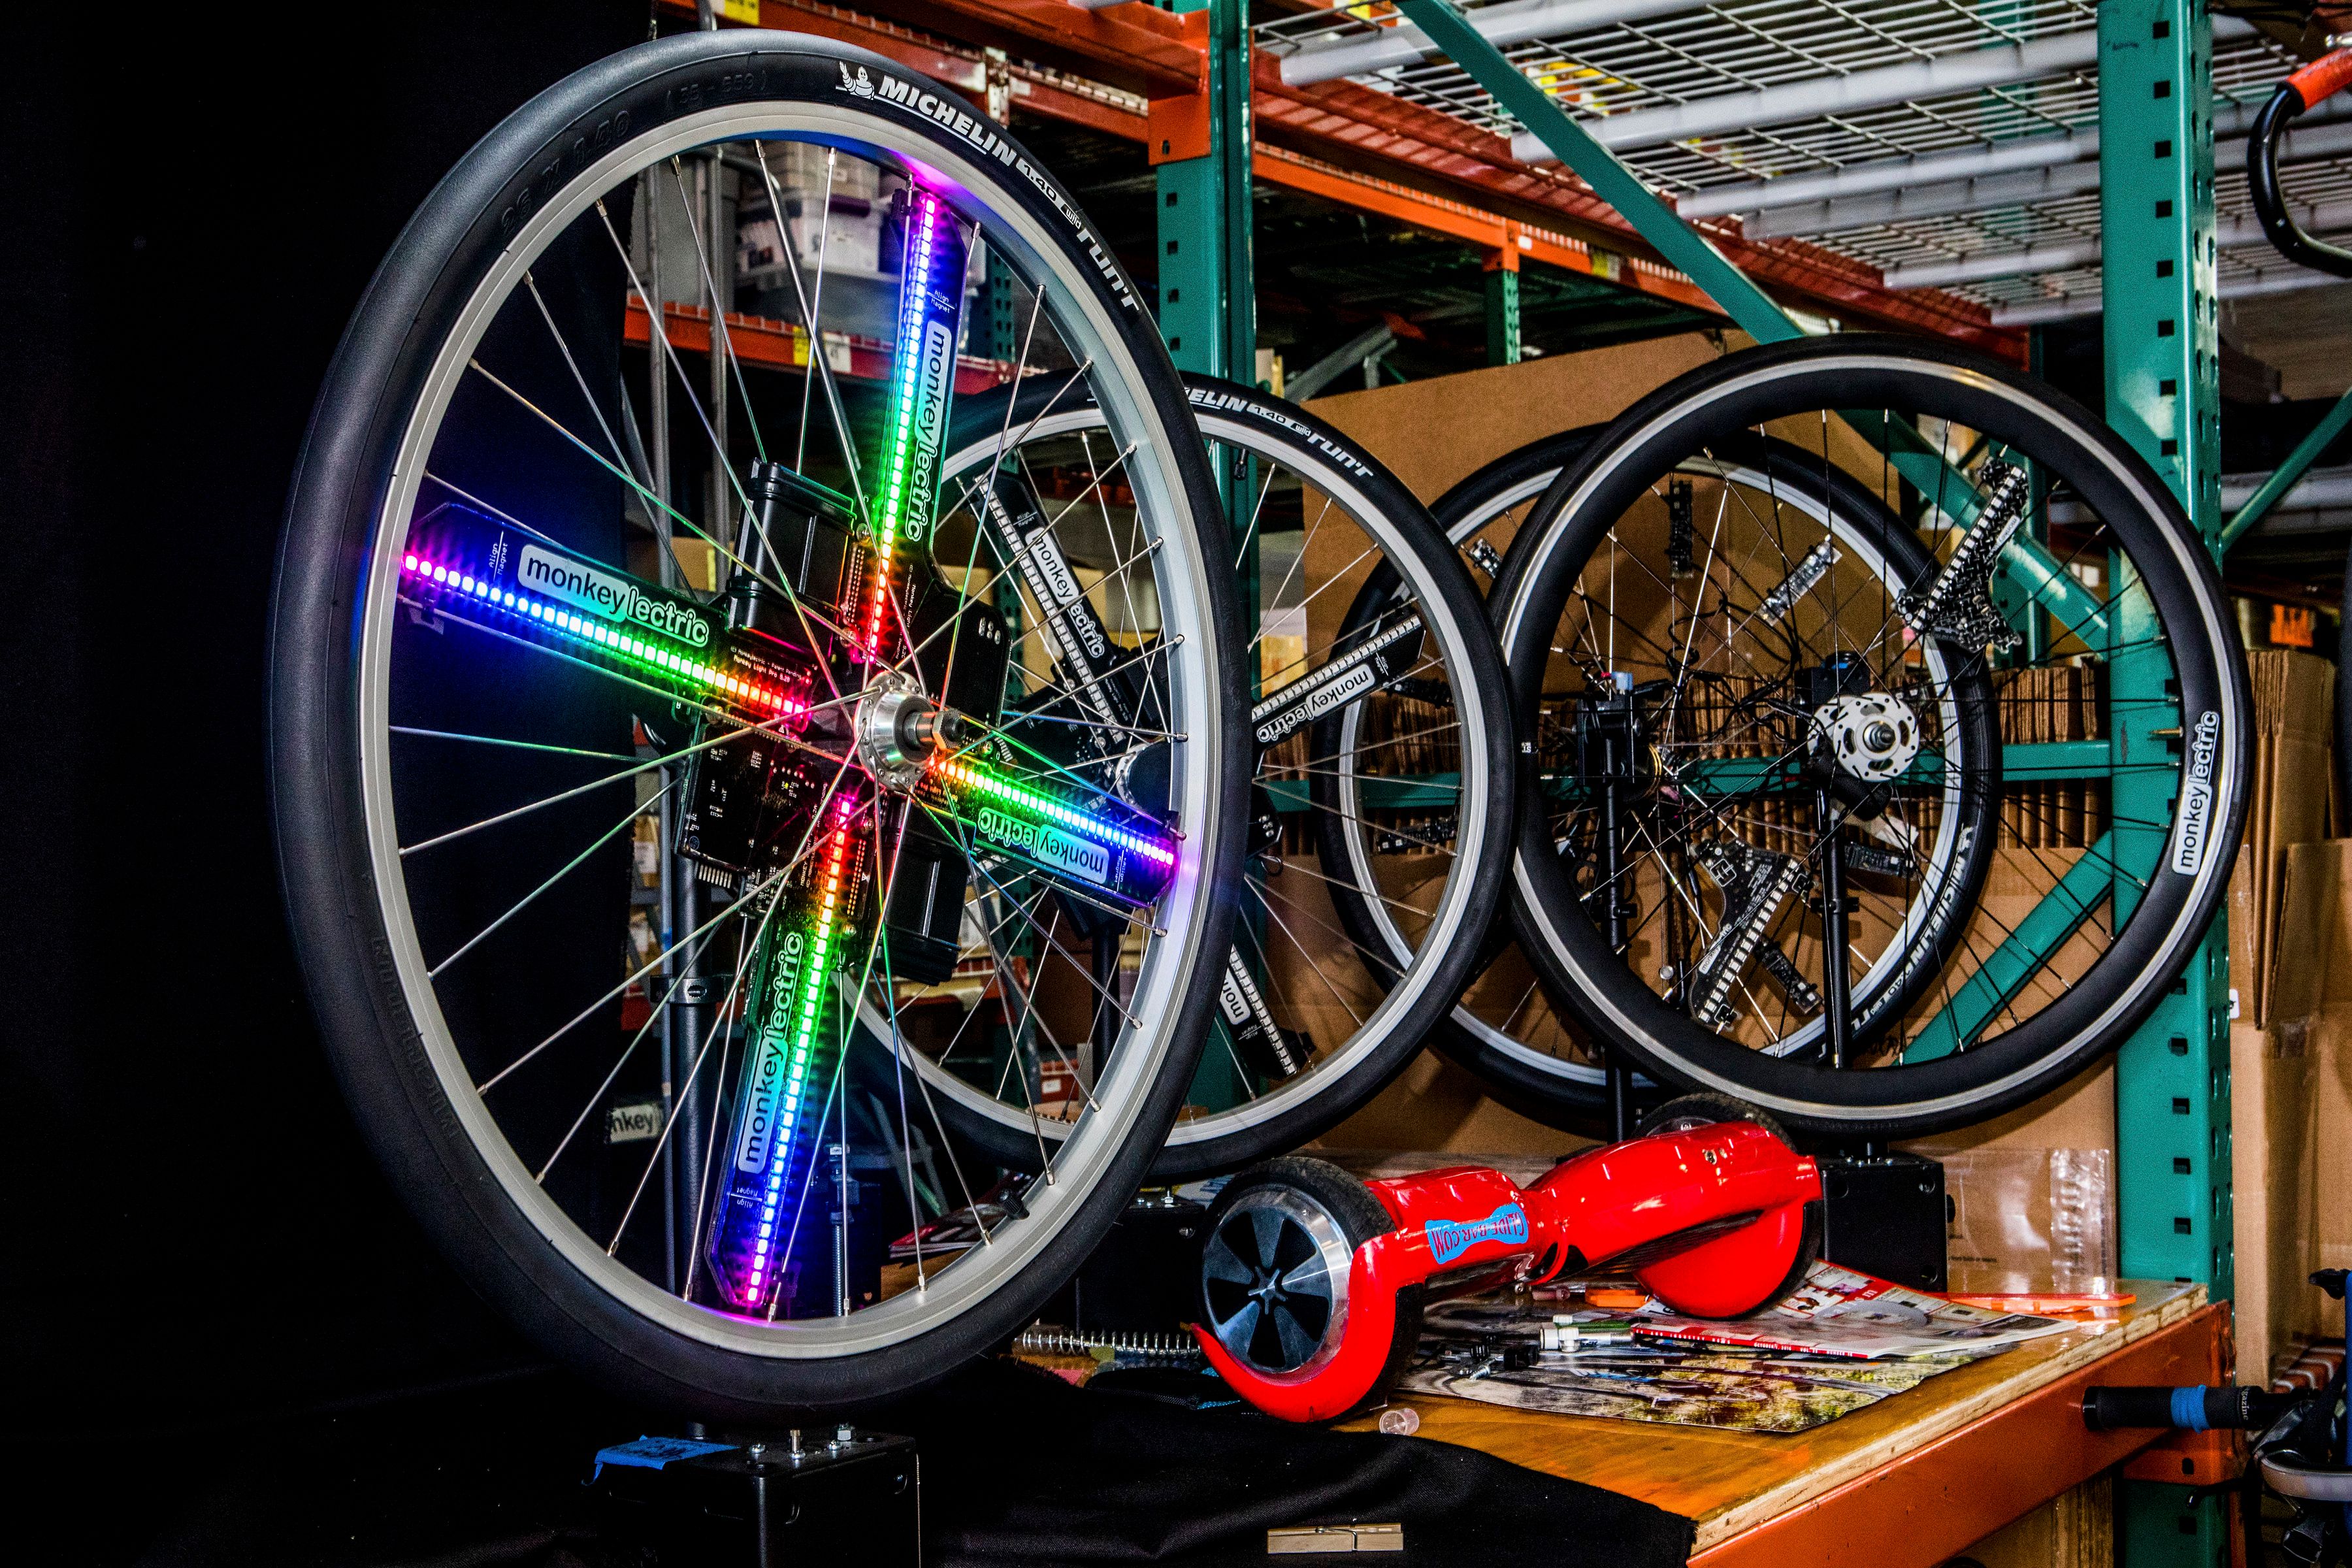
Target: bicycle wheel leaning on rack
1504,1029
1862,647
573,562
1380,826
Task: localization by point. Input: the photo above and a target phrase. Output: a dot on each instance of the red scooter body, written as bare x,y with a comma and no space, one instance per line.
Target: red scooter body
1711,1220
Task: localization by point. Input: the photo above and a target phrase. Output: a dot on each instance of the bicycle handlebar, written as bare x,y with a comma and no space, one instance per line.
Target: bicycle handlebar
2305,89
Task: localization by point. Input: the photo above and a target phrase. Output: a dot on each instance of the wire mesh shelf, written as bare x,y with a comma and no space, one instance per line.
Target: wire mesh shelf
1634,56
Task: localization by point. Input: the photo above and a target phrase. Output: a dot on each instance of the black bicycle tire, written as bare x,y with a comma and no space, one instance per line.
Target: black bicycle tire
2061,1040
1577,1100
365,406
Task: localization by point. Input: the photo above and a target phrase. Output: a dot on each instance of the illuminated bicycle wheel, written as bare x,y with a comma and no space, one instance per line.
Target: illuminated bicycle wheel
653,738
1378,824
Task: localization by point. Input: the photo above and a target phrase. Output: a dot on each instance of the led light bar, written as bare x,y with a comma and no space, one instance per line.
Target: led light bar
1127,857
760,1203
462,559
922,382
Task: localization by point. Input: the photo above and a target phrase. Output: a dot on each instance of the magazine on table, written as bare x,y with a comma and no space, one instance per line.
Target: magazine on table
1838,1312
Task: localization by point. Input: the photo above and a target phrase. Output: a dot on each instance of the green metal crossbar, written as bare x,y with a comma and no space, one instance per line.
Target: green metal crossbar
2022,761
1418,792
2289,474
1999,979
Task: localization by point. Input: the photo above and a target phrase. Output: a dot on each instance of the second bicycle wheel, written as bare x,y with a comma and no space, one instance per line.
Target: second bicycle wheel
1505,1028
1380,823
640,738
1889,732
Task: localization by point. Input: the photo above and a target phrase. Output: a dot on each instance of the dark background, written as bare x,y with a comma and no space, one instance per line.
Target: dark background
190,1231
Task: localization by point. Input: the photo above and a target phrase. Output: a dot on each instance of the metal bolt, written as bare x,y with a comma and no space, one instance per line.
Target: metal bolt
797,1455
758,1452
844,1434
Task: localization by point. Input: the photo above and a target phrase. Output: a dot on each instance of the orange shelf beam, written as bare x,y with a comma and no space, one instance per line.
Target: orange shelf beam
1105,71
780,345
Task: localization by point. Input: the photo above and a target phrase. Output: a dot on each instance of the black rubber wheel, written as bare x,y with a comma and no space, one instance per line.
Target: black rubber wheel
1274,1269
1940,1064
1685,1111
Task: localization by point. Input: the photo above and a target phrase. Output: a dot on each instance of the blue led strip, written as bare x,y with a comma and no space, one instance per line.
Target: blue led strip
773,1133
460,558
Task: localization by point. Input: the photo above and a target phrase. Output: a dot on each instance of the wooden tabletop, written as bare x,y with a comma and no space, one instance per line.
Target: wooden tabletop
1913,1478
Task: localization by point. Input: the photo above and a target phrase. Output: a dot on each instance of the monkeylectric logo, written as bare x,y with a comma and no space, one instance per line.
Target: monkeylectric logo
2196,824
1318,702
1449,1240
614,598
1230,998
766,1094
1048,845
932,377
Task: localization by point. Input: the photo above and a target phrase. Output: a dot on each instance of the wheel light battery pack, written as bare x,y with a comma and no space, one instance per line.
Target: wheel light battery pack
846,1496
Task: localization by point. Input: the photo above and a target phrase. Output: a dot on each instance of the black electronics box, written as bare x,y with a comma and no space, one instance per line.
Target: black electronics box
1145,1276
1885,1214
817,1498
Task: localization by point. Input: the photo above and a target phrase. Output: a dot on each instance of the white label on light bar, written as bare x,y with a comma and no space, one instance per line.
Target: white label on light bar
614,598
1048,845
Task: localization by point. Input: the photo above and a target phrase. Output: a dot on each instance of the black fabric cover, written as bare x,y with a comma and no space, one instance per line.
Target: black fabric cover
1018,1468
1021,1467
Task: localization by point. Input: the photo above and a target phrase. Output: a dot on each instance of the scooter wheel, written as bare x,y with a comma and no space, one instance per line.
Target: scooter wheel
1705,1283
1274,1270
1685,1111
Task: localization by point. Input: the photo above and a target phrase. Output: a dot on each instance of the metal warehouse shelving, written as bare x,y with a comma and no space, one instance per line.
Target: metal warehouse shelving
1988,192
1914,164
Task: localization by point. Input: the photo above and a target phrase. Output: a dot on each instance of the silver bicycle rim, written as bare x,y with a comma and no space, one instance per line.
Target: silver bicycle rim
1084,1155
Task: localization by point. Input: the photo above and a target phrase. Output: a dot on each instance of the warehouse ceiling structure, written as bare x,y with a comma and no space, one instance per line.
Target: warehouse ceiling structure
1950,147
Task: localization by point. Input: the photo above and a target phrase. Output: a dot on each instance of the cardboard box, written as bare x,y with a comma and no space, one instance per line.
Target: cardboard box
2294,706
1434,433
2077,1528
2272,1115
2302,1090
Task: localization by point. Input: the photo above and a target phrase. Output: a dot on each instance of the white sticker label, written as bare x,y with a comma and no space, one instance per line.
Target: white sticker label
1353,683
1229,996
601,593
638,1121
1048,845
2194,825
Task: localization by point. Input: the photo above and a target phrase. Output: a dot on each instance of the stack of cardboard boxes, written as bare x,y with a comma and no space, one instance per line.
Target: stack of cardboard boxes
2290,968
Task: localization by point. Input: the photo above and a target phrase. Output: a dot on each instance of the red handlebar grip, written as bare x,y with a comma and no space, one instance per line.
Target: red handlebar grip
2323,78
